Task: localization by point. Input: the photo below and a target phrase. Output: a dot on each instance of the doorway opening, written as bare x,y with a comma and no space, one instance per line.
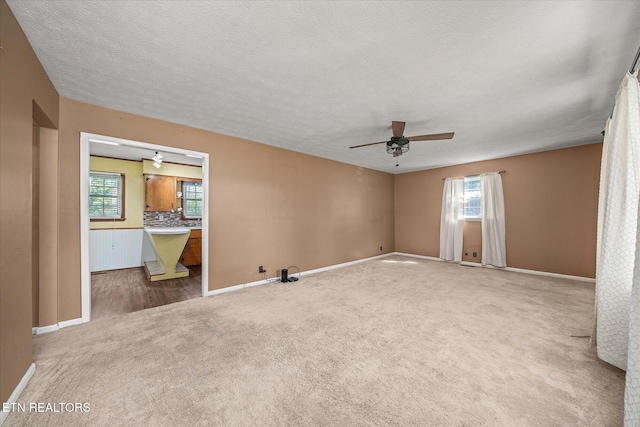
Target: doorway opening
144,225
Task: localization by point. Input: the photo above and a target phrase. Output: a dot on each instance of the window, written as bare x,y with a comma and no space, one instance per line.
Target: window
472,198
192,199
106,195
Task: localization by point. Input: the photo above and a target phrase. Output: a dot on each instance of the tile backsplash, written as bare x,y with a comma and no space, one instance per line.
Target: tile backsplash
169,219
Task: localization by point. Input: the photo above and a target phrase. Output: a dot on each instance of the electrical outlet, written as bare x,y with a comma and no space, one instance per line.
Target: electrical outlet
380,247
475,254
261,269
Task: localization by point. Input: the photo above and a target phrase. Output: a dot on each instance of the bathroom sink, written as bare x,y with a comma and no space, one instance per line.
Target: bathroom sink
167,230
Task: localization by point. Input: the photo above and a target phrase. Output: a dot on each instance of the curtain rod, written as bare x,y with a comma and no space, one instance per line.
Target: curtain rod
470,176
634,67
634,64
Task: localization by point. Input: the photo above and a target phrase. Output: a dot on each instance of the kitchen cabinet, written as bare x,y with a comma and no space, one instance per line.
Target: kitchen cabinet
192,253
159,193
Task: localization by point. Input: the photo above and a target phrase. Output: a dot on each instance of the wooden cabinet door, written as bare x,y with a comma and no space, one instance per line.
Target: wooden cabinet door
192,253
159,193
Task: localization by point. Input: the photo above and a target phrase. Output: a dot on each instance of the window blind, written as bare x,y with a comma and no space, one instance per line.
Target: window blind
105,195
192,197
472,197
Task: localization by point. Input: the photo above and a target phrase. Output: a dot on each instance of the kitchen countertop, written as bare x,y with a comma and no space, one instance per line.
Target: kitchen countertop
167,230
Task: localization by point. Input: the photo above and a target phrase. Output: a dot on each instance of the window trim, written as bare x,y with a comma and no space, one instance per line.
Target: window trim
122,198
184,198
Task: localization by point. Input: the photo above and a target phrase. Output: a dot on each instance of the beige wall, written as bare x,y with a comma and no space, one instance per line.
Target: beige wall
268,206
551,201
22,82
48,228
133,191
35,225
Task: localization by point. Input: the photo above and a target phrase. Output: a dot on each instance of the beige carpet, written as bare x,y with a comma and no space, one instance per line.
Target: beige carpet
397,341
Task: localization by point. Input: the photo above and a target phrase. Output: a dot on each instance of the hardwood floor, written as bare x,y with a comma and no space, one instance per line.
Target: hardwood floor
124,291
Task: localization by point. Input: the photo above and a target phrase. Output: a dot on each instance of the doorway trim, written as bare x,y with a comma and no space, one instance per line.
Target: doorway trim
85,271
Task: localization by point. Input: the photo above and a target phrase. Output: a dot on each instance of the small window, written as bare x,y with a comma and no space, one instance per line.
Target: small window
472,198
106,195
192,199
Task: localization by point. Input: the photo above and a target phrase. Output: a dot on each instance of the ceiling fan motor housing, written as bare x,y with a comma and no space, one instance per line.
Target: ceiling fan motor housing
397,145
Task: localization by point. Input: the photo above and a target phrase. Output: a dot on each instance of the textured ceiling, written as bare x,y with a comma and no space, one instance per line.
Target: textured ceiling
316,77
128,152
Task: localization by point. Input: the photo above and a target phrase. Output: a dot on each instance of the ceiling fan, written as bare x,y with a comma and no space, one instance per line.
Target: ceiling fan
399,144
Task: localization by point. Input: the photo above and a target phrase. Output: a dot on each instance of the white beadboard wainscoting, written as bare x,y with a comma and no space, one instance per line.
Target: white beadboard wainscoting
112,249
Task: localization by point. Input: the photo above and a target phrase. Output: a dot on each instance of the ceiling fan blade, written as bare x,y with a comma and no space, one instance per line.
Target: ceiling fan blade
431,137
365,145
397,128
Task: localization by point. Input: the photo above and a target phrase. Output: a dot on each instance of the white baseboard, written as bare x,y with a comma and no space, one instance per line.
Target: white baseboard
344,264
65,323
18,390
46,329
546,273
72,322
317,270
430,258
228,289
515,270
475,264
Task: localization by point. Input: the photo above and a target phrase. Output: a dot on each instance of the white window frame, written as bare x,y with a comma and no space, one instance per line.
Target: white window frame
120,196
185,184
468,196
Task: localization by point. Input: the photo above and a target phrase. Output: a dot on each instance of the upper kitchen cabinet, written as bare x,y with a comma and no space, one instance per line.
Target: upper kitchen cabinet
160,193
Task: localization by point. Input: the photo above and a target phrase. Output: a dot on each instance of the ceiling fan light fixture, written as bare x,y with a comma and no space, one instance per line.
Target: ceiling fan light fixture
397,149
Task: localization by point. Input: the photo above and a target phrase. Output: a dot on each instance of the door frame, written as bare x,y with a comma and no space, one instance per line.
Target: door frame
85,288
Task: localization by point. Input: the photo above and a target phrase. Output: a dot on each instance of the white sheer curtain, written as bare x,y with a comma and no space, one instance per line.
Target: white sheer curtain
494,250
452,219
632,389
617,322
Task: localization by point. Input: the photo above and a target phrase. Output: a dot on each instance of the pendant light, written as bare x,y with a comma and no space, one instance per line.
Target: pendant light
157,160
